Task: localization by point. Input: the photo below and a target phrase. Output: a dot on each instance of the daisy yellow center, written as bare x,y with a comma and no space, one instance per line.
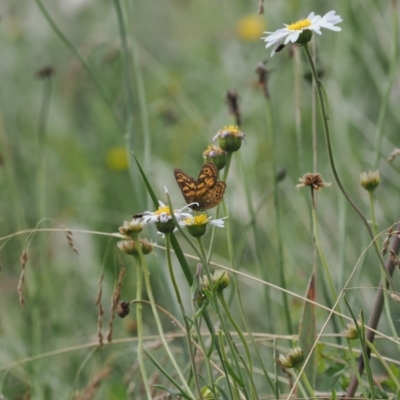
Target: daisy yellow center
233,129
197,220
161,210
299,25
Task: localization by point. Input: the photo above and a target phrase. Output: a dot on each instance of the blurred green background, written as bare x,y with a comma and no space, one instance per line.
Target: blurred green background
78,171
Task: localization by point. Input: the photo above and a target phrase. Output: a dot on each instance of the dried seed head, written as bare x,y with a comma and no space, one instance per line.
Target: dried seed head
232,101
395,297
394,154
386,242
314,180
123,309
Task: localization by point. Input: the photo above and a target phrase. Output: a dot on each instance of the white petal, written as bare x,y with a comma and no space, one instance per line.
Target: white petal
292,37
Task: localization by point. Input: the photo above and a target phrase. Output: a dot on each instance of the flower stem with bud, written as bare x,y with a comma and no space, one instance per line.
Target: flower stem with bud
324,116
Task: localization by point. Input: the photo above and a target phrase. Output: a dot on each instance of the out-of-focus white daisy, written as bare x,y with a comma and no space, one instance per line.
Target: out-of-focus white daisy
292,32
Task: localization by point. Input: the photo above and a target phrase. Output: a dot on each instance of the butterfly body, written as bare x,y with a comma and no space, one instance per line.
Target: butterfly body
207,191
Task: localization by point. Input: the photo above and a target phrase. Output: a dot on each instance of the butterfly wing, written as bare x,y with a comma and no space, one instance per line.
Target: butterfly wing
206,191
207,179
212,197
187,185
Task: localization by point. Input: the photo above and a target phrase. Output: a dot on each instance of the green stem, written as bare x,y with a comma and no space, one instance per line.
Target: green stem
171,269
236,327
298,102
200,342
394,378
307,384
214,229
372,210
139,318
390,82
324,115
161,332
322,256
278,225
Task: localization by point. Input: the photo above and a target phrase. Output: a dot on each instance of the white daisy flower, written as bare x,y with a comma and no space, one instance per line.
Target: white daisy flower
291,33
162,214
162,217
196,225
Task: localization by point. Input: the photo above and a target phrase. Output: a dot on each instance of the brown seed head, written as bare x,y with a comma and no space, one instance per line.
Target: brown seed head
314,180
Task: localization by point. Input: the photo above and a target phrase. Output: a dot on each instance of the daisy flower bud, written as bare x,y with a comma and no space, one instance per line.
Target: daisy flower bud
293,359
131,228
197,225
130,247
230,138
314,180
221,280
351,332
216,155
370,181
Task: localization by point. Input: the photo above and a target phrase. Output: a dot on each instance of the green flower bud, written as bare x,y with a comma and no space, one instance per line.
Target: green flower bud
166,227
304,37
230,138
221,280
216,155
293,359
351,332
129,229
197,230
370,181
130,247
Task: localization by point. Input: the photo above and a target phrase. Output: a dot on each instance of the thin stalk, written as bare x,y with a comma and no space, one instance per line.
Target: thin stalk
297,106
184,384
191,350
220,316
394,378
272,138
375,315
214,229
324,116
228,313
314,118
171,269
200,342
139,319
322,256
308,386
201,256
41,156
372,211
390,82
